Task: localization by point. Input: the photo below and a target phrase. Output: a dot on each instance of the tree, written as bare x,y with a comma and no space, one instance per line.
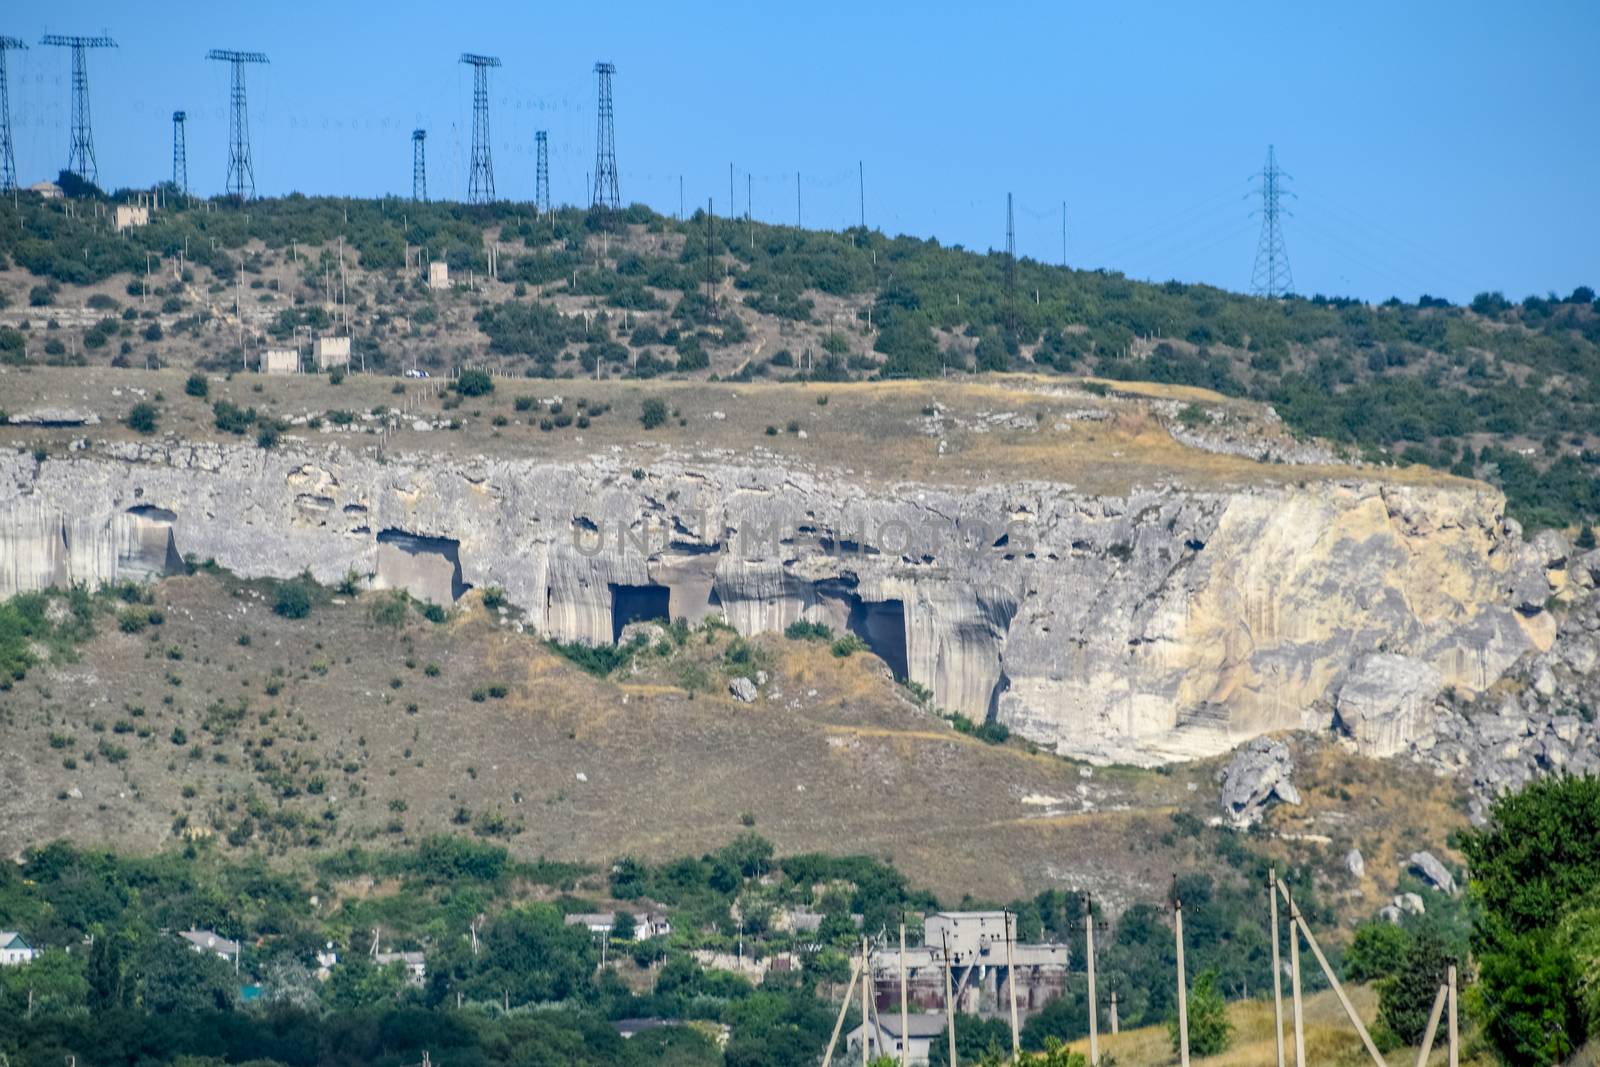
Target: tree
1406,996
53,983
142,417
1210,1032
197,386
652,413
1375,952
293,600
474,383
172,977
622,926
290,982
1586,540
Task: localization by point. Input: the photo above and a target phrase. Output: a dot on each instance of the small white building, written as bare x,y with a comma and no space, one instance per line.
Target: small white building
646,924
438,274
885,1039
280,361
211,941
332,352
415,964
47,190
131,215
13,950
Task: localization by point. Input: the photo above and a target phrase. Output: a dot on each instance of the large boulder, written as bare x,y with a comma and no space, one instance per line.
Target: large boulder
1434,872
1386,702
1257,775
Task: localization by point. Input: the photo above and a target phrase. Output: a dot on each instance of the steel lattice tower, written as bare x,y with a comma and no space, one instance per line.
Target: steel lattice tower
180,151
8,161
1271,276
480,179
605,157
541,178
241,179
419,164
1011,273
80,157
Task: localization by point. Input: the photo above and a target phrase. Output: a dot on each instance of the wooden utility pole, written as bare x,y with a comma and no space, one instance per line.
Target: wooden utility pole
1294,980
949,1004
1455,1043
905,1011
1183,988
1277,965
844,1006
866,971
1113,1012
1338,989
1433,1026
1011,987
1094,1005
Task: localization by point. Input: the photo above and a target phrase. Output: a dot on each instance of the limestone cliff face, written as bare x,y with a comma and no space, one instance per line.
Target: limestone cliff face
1158,625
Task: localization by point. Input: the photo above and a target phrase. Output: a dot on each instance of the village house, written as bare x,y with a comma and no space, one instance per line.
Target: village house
14,951
211,941
885,1038
646,924
415,964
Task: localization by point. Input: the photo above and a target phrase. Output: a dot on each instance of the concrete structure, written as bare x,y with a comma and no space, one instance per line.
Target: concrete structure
13,950
130,215
972,936
438,275
979,972
280,361
211,941
47,190
415,964
646,924
332,352
885,1039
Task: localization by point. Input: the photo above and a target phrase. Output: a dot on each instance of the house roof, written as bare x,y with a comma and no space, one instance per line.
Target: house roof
12,939
410,959
921,1024
210,940
592,918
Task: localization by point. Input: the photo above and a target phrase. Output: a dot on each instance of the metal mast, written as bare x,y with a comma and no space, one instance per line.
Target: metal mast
241,179
480,177
419,164
1011,274
1271,276
541,179
605,159
80,157
180,151
8,161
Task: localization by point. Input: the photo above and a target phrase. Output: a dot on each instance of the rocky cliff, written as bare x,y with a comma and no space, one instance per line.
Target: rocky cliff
1159,624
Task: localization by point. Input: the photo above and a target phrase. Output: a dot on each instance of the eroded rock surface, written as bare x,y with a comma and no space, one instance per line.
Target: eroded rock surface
1159,624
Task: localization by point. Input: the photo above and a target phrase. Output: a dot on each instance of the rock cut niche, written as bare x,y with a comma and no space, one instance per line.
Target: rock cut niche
428,568
149,549
638,603
882,625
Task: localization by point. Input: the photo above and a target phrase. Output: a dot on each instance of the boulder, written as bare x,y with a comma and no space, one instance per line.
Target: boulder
1354,863
743,690
1433,872
1258,774
1386,702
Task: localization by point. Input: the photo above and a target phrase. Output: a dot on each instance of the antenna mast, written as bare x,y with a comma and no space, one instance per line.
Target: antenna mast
1271,276
480,176
419,165
241,179
541,177
605,159
80,157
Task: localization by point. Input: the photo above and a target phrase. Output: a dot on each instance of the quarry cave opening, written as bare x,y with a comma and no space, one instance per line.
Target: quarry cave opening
882,625
638,603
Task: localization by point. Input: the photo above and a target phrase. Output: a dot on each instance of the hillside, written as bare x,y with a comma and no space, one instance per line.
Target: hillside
1509,393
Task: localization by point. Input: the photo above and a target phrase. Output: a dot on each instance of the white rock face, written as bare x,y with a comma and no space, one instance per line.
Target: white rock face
1355,864
1156,625
1386,701
1258,774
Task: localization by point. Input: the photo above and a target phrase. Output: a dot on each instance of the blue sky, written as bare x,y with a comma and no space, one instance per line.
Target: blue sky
1435,147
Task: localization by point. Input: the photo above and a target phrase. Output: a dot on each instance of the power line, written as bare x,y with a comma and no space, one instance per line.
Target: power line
480,174
8,161
605,150
80,157
1271,276
241,179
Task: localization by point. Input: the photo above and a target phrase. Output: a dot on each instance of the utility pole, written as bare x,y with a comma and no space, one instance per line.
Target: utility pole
1271,276
949,1004
1011,276
605,151
1455,1044
733,209
80,157
1011,987
866,983
1183,987
1294,978
797,200
1113,1013
749,209
861,190
8,160
1063,234
180,151
1094,1005
419,165
241,178
1277,968
480,173
905,1011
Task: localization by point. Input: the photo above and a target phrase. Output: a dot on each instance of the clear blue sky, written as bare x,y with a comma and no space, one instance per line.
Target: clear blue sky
1439,147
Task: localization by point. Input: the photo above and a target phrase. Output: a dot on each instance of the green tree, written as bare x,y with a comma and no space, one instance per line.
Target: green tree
53,983
474,383
172,977
292,600
142,417
1376,951
652,413
197,386
1210,1032
1406,996
622,926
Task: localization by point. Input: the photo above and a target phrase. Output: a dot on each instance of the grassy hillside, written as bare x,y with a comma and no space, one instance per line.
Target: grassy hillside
1508,392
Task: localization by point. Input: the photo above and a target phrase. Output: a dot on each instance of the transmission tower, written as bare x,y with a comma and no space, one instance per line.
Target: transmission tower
1271,276
8,161
541,174
480,177
241,179
80,157
1011,274
605,158
180,151
419,165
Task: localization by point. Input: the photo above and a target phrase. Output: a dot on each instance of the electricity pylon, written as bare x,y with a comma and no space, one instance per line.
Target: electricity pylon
80,157
1271,276
8,161
480,176
241,179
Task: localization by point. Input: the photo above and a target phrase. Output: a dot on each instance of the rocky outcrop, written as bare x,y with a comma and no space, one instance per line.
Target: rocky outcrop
1257,775
1386,702
1162,623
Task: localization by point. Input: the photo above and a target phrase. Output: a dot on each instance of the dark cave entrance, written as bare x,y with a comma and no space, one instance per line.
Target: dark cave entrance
882,625
638,603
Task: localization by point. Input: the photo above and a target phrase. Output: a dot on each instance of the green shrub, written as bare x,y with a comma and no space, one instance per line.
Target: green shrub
474,383
292,599
848,645
801,630
142,417
197,386
653,413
